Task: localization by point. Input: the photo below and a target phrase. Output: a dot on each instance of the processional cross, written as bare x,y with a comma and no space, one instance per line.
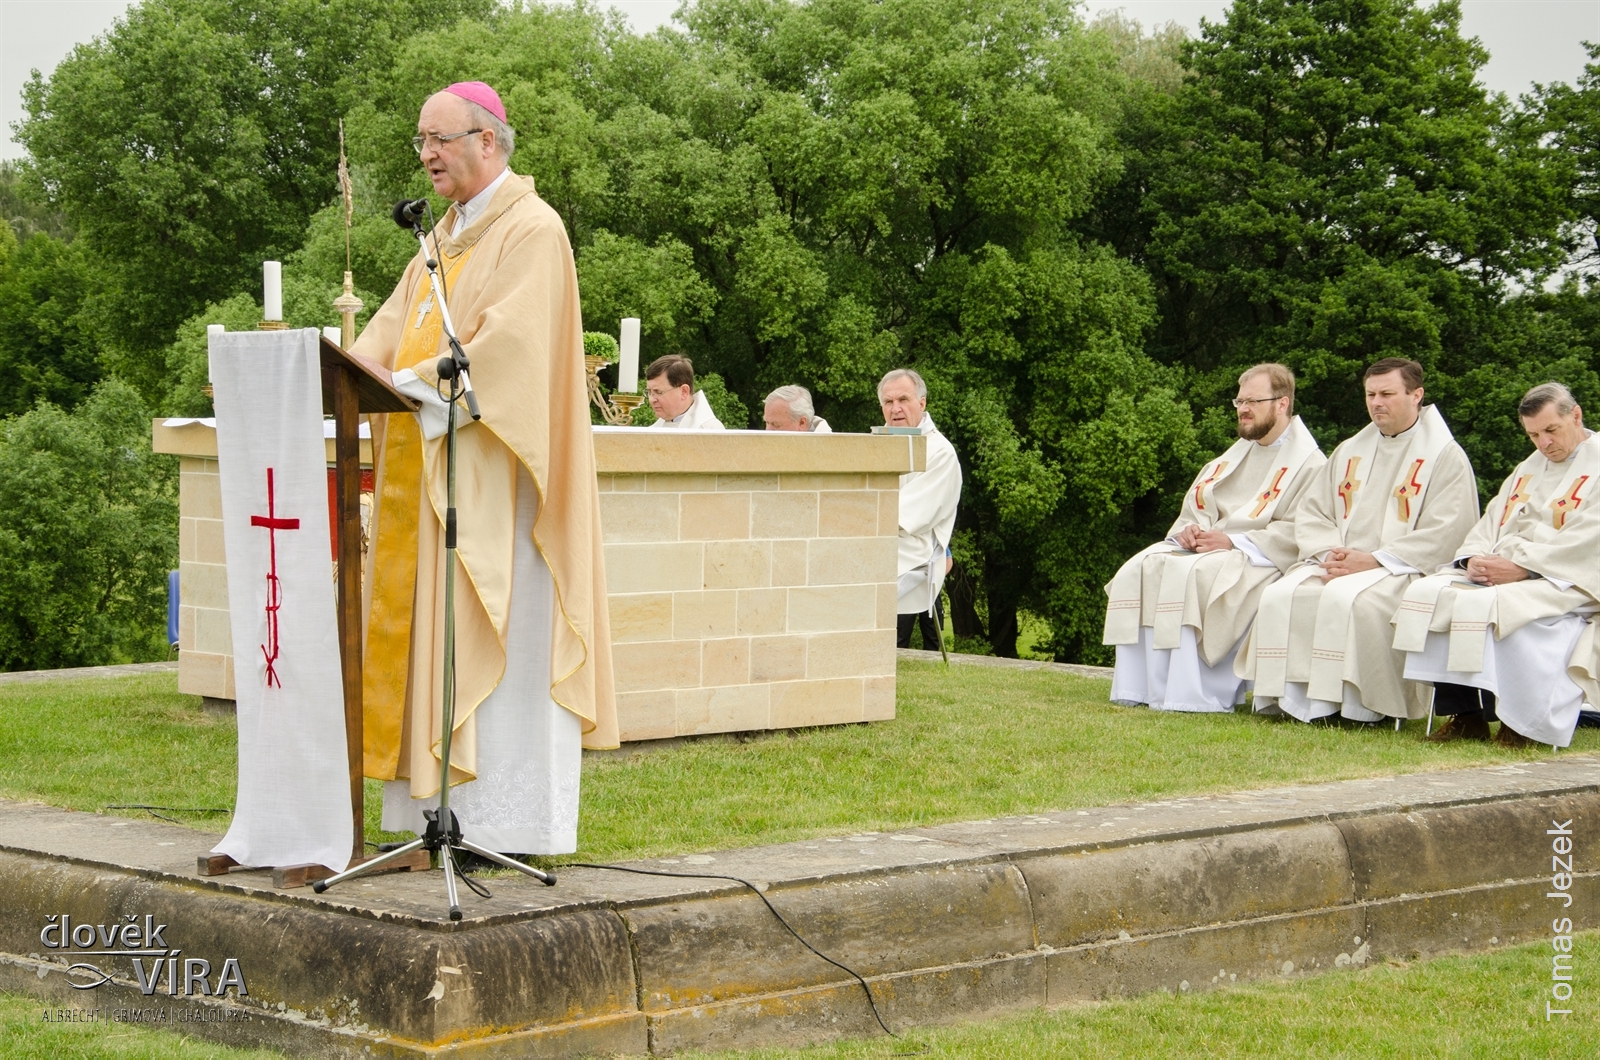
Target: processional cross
274,589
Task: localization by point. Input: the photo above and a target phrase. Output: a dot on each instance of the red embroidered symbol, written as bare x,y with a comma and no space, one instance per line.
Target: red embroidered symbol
1270,494
1564,506
1412,488
274,589
1200,486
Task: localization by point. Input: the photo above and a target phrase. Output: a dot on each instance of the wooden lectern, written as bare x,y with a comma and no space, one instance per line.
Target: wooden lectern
349,389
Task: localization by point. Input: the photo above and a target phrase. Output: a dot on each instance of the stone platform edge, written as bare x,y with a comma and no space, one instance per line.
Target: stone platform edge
954,922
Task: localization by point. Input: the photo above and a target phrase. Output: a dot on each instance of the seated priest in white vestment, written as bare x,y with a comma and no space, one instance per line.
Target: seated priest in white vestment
789,408
928,501
1178,610
669,384
1392,503
533,664
1507,628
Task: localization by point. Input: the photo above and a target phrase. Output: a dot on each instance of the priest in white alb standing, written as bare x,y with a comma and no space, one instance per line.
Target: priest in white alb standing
533,639
928,501
1178,610
1392,502
1507,628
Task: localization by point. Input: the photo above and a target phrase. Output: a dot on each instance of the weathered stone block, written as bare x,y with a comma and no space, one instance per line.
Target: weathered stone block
761,611
725,662
655,567
203,584
851,561
851,513
651,715
748,483
714,516
640,616
628,517
877,698
1158,887
789,562
732,708
833,608
737,564
777,658
656,664
1434,850
671,483
868,652
698,615
786,514
835,702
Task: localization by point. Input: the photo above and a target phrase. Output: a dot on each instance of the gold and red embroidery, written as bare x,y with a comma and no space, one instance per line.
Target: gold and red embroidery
1271,493
1200,486
1566,504
1350,486
1517,498
1409,490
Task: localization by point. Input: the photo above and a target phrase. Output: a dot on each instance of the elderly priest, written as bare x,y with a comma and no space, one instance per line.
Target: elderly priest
928,501
1507,626
1393,502
532,634
1178,610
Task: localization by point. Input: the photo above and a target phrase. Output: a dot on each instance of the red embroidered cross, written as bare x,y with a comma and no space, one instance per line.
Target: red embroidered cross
1200,486
274,589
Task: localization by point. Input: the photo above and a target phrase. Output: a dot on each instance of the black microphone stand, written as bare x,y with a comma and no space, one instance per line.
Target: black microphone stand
443,831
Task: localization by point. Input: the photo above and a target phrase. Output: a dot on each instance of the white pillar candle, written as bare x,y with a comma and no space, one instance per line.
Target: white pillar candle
628,370
334,335
272,290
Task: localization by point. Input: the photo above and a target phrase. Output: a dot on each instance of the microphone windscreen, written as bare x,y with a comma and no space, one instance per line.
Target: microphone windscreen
402,211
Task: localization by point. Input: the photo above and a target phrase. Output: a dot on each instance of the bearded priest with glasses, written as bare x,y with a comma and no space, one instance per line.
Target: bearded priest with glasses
1178,610
533,638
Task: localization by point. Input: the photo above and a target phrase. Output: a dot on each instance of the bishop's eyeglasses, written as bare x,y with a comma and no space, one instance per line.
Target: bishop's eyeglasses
437,140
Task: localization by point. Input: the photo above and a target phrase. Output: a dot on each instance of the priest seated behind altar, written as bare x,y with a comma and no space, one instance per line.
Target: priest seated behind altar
789,408
669,384
1178,610
1508,627
1393,502
928,501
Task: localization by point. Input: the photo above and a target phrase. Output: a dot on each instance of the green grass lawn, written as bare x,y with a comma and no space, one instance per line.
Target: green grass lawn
969,742
1489,1005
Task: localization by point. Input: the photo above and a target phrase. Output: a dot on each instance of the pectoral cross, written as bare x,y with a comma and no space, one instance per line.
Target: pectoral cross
1199,487
1350,485
1411,488
1517,498
423,309
1566,504
274,588
1271,493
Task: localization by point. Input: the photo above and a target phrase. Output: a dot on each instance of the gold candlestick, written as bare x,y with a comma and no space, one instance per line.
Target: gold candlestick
617,410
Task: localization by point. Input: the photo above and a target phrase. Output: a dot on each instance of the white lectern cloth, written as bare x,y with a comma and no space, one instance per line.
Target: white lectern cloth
293,804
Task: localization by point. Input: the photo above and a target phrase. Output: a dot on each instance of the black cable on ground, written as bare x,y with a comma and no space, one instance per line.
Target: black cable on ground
151,810
871,1002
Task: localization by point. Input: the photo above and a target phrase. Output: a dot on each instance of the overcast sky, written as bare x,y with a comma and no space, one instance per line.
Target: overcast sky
1528,40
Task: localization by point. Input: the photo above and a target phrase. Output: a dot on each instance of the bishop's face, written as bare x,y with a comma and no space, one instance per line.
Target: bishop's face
900,404
1556,435
461,167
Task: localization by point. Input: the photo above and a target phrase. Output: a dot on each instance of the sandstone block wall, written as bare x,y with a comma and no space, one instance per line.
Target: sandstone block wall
746,601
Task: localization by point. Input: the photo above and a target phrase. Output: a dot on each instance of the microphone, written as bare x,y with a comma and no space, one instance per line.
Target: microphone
408,213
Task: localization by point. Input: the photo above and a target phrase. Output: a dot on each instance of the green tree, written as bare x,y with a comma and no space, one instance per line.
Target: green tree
47,346
88,530
197,137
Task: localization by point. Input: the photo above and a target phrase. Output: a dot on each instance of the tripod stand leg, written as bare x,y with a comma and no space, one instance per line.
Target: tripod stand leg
546,878
447,859
367,866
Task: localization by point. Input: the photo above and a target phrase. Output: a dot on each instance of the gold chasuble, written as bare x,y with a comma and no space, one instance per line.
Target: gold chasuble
513,295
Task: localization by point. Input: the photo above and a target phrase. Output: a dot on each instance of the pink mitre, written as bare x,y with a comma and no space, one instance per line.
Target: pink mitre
481,94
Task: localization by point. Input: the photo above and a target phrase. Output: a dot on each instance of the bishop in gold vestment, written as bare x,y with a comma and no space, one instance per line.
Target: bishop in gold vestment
533,639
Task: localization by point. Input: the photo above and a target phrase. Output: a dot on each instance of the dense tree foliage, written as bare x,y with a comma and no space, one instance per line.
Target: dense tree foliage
1079,234
88,530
